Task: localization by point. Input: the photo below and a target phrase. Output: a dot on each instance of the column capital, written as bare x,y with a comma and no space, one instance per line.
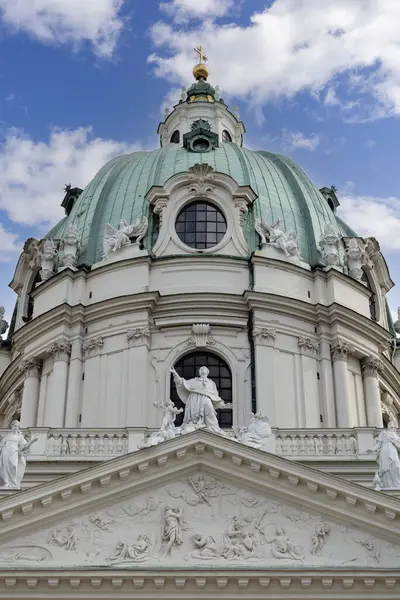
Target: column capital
60,350
306,343
371,366
93,345
340,350
139,336
30,367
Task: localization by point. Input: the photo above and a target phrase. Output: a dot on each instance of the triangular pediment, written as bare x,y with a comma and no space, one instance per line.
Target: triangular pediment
198,500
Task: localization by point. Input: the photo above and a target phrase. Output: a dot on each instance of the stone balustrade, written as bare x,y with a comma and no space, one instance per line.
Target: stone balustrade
103,444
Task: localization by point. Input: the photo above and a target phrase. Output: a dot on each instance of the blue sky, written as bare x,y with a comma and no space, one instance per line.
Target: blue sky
83,80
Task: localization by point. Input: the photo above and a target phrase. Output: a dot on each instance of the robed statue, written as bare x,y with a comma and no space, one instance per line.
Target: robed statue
13,450
387,449
201,399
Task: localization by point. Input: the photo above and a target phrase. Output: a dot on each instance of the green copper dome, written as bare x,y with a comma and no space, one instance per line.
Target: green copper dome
118,192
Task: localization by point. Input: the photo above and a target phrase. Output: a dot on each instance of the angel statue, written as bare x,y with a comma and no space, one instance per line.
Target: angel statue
201,398
171,411
116,238
13,449
3,322
275,236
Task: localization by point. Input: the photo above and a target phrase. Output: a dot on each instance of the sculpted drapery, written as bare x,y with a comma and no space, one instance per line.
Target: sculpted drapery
387,448
13,449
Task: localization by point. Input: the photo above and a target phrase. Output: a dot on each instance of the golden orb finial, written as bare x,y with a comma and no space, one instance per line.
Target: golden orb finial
200,71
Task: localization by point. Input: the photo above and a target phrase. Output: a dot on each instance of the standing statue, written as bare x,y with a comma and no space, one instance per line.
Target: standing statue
70,245
3,322
287,242
116,238
13,449
387,448
47,258
172,530
201,398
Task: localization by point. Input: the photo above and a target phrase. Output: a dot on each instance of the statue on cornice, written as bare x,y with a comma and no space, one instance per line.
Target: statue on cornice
201,398
387,448
47,259
256,433
275,236
3,322
13,450
123,235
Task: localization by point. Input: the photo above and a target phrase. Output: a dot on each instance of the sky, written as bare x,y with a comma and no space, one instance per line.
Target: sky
84,80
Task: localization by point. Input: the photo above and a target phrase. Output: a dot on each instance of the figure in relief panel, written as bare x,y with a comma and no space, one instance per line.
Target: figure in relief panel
205,547
137,552
13,449
173,527
282,547
201,398
387,455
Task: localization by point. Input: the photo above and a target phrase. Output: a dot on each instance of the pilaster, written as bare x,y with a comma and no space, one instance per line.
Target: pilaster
30,367
370,367
339,353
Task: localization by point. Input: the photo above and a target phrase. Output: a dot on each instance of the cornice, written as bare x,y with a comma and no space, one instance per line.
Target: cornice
275,476
281,583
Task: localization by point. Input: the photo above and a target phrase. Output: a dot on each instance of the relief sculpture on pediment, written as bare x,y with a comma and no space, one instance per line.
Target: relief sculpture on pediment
195,519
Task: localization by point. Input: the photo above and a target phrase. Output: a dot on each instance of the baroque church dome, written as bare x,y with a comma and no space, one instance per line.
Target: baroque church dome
283,191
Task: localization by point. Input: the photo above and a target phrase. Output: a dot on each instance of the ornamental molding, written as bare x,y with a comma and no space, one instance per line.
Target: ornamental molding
60,350
30,367
371,366
200,177
93,345
264,333
138,334
241,210
308,344
159,207
340,350
200,337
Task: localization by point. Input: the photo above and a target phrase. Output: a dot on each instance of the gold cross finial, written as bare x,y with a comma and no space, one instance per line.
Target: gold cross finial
200,51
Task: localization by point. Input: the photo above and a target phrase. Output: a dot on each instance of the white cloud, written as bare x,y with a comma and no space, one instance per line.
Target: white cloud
297,45
294,140
373,216
33,174
75,21
10,245
182,10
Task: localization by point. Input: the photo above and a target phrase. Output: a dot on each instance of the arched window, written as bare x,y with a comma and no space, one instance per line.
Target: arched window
226,136
188,367
373,309
175,137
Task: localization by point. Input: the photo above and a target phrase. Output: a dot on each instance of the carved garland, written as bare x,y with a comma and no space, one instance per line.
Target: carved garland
92,345
200,337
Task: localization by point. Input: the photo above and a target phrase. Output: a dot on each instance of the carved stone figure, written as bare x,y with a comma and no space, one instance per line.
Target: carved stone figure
171,411
397,323
282,547
202,488
172,530
329,244
201,398
372,550
256,433
318,538
240,543
355,258
13,450
47,259
275,236
66,537
205,547
387,455
137,552
116,238
3,322
70,246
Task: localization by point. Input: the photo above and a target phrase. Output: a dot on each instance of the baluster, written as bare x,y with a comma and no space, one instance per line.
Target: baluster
330,443
64,445
301,444
278,445
110,445
319,444
349,444
50,445
339,444
73,443
83,445
92,444
57,444
119,443
124,444
100,444
286,444
310,445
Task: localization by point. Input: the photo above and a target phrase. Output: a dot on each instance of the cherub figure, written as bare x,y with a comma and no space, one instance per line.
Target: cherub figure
171,412
116,238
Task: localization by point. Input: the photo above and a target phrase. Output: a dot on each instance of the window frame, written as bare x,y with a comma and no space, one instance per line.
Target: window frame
182,225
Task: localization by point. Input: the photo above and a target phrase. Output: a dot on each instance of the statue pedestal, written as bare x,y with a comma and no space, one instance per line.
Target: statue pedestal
269,251
124,253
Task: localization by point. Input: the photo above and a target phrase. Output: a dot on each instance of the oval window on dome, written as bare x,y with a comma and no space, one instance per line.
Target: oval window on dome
200,225
226,136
